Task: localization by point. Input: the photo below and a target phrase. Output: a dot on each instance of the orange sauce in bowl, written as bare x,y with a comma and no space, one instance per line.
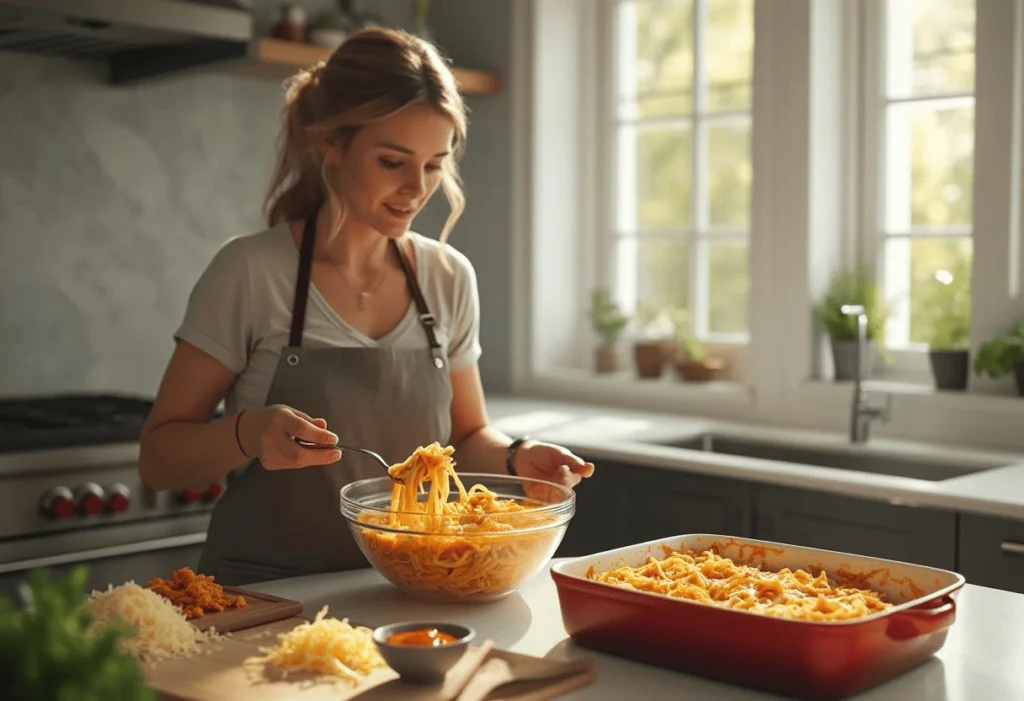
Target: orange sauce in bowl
428,637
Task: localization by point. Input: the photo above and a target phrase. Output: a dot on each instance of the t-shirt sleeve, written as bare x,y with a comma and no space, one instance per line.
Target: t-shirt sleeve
218,318
464,345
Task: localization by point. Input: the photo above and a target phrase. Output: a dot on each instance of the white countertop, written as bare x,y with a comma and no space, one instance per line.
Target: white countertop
637,437
981,660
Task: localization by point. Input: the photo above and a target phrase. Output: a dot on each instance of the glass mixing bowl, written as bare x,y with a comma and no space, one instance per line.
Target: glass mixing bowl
483,558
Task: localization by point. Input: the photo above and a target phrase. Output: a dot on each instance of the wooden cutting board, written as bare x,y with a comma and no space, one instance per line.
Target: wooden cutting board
219,674
259,609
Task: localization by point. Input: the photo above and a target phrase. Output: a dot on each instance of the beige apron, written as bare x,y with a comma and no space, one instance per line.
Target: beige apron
272,524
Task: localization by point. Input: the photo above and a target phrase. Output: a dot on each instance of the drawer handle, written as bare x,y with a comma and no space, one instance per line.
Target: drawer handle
1011,548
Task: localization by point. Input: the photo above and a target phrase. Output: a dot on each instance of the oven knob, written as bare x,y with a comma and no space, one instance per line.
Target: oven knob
59,502
214,491
118,501
190,496
90,499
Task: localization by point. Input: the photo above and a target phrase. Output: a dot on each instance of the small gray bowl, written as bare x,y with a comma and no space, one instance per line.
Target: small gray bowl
422,664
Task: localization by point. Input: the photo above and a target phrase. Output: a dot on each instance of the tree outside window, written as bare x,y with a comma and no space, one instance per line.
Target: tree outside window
682,167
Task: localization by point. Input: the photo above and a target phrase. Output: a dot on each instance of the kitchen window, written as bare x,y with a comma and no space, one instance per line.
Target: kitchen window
679,175
918,167
861,133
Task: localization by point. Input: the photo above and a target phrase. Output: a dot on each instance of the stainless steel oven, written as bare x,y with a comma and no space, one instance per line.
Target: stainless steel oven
69,481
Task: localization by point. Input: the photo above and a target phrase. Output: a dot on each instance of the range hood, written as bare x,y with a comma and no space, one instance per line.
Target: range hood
138,38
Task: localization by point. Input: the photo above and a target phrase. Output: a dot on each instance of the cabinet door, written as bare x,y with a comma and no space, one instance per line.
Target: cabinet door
858,526
593,528
658,503
991,551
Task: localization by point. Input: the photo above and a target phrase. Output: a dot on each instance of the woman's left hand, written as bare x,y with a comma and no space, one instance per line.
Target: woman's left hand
552,463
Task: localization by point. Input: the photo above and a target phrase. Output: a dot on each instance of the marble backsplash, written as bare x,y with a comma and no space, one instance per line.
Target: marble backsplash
112,200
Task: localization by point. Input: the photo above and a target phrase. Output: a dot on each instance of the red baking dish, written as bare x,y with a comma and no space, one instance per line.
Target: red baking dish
815,660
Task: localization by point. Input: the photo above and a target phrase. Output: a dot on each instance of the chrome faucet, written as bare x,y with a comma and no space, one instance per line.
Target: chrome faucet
862,413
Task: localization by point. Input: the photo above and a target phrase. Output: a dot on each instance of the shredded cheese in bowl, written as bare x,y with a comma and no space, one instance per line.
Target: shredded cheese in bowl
324,646
161,631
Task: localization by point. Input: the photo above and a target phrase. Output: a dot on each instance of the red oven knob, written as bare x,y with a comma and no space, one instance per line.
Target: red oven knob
58,502
190,496
118,501
90,499
214,491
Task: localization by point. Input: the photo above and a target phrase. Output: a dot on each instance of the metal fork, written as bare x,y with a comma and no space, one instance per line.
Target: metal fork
346,448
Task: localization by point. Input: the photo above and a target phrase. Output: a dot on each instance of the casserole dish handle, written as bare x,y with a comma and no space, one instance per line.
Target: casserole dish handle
922,620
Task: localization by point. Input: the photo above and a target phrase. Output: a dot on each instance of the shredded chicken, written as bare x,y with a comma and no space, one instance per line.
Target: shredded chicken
195,594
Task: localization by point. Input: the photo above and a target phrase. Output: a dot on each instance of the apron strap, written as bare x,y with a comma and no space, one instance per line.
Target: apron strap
302,282
427,319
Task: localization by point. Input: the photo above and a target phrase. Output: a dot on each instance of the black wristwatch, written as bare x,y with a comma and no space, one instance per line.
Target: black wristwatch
510,454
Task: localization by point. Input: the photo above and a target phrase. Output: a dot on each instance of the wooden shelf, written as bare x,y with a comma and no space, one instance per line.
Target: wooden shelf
274,59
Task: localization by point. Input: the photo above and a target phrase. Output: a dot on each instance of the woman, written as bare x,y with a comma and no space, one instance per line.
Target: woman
335,325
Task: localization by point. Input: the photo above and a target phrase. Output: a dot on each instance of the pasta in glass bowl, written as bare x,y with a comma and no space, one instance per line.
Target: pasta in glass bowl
438,540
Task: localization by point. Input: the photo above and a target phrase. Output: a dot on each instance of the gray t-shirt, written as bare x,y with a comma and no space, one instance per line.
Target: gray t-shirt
240,310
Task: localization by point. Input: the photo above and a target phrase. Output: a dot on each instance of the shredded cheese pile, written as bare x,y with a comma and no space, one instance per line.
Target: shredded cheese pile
709,578
161,631
195,594
324,646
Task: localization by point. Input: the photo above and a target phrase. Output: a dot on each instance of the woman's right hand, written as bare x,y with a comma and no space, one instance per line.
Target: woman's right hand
268,434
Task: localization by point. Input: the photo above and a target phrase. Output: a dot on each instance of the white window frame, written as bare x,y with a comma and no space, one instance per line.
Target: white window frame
804,220
908,362
701,234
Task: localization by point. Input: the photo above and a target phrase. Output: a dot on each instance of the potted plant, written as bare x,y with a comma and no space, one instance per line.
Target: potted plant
1002,355
608,322
691,360
857,286
652,348
947,315
329,29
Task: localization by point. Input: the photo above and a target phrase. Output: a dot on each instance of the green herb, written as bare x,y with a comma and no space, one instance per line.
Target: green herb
857,286
605,316
47,652
682,324
946,311
1000,355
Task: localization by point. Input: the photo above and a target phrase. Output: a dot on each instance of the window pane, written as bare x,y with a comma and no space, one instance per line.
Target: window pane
927,282
929,165
654,40
655,174
661,272
729,175
931,47
729,281
729,54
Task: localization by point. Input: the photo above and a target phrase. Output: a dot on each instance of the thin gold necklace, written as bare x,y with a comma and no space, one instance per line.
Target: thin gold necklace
363,296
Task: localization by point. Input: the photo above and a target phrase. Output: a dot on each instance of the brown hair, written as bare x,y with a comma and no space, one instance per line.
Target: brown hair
373,74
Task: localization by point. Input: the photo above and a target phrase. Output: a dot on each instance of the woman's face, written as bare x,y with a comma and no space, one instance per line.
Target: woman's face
392,167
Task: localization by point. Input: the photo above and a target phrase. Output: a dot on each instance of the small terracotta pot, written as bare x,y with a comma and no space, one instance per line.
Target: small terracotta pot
650,358
606,360
698,370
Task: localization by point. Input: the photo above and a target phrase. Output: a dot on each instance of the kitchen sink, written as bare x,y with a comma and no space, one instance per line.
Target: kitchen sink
922,468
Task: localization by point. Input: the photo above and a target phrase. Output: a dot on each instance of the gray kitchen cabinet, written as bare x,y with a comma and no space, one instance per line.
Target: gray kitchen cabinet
991,551
834,522
593,527
624,504
657,503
